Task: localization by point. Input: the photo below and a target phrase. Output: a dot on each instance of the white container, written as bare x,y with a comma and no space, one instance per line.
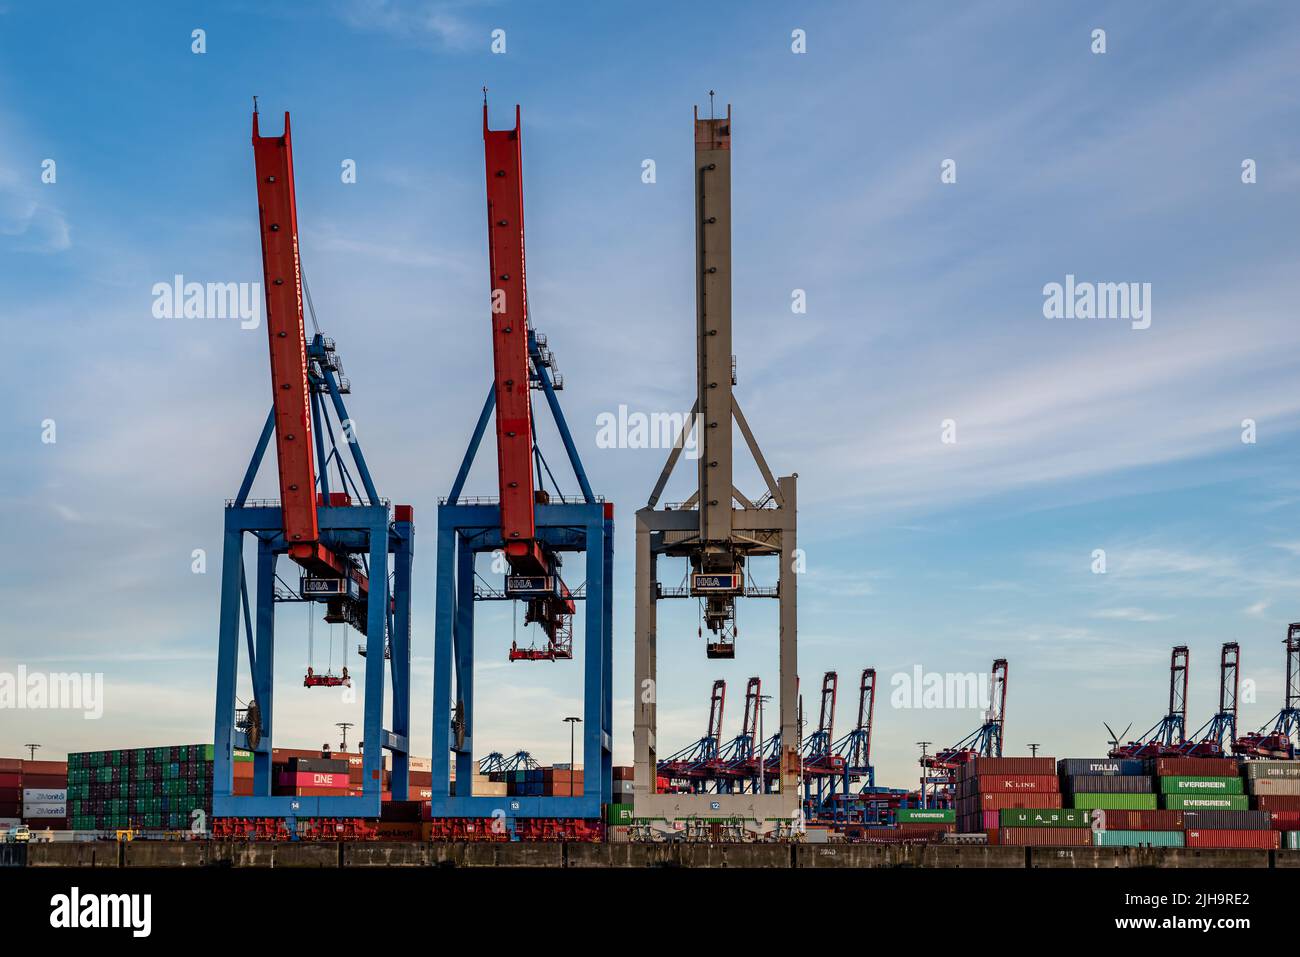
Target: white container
45,809
45,795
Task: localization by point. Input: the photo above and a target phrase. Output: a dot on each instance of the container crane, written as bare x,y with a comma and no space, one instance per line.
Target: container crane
984,741
822,766
1216,737
1282,739
855,747
738,758
697,764
1168,735
329,521
718,530
528,525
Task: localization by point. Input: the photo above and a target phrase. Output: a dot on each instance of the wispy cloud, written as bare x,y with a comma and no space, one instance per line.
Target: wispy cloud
1130,614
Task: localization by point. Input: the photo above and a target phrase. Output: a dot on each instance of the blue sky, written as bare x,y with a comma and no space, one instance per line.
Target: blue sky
924,303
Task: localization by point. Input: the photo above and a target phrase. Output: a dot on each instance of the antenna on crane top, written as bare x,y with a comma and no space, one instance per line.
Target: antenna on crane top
710,104
485,96
254,104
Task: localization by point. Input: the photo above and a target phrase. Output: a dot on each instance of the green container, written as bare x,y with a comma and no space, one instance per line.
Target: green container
1207,802
1043,817
618,814
1116,802
1193,785
1137,839
1293,840
918,815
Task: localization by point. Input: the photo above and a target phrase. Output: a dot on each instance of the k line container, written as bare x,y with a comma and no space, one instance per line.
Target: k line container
1127,802
1263,840
1180,784
1045,836
1013,783
1110,784
1206,802
1137,838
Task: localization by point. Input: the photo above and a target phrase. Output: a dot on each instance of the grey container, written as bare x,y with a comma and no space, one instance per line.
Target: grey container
1272,769
1110,784
1099,767
1227,820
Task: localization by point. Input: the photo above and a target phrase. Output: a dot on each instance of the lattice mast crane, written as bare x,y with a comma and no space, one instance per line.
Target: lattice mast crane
855,747
1169,734
1217,736
1280,738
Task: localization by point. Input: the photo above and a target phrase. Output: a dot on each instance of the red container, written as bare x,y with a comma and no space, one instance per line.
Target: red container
1285,820
10,779
1046,836
40,823
1014,784
312,779
1119,819
45,767
11,765
997,802
1197,767
45,780
992,834
1260,840
11,808
927,827
425,778
1278,802
10,794
1036,766
310,792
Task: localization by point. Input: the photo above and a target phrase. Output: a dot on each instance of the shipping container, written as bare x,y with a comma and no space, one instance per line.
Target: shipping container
46,809
1205,802
1137,838
1264,840
1253,769
1196,767
41,795
1035,766
997,802
933,815
318,766
1282,786
1228,820
618,814
311,779
1043,817
1182,784
1096,767
1013,783
1111,784
1284,820
1278,802
1293,840
1124,802
1045,836
1119,819
56,768
11,765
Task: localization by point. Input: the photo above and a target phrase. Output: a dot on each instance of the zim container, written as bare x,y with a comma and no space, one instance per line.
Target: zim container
1043,817
1124,802
1045,836
1180,784
1137,838
1206,802
1261,840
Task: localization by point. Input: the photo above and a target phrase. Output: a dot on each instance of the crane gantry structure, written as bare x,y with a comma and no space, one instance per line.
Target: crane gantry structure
1280,738
531,527
718,529
1217,736
352,550
1168,736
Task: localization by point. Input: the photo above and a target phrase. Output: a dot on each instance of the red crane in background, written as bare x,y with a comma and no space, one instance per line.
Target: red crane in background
534,568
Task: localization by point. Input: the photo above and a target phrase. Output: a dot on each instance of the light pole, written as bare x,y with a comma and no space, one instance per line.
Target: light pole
1033,749
761,786
924,755
572,723
343,726
32,751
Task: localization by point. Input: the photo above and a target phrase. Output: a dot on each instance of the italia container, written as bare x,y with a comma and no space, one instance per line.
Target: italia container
1045,836
1256,840
1137,838
1227,820
1196,767
1124,802
916,815
1100,767
1110,784
1205,802
1043,817
1181,784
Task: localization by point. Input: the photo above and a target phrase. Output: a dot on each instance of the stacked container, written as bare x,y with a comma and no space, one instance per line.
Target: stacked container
34,793
988,786
1274,787
145,788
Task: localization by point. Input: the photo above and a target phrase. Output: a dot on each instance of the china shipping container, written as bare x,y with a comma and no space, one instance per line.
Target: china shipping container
1045,836
1096,767
1137,838
1110,784
1264,840
1253,769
